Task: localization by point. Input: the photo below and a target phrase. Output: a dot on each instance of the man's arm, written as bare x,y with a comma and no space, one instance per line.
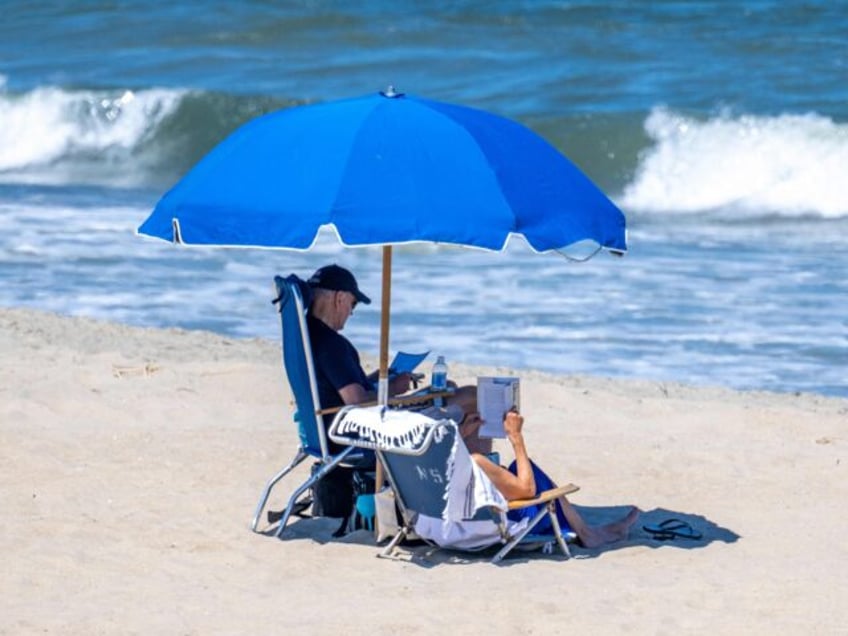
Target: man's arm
355,393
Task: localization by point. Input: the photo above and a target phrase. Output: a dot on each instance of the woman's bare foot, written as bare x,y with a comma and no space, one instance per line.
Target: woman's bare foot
593,537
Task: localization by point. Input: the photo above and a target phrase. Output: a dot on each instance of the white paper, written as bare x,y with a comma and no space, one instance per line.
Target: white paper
496,396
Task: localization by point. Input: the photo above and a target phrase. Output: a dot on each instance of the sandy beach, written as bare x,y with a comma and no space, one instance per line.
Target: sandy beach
132,460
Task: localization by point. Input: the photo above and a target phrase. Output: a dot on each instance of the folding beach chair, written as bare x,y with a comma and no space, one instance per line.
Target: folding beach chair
293,296
443,496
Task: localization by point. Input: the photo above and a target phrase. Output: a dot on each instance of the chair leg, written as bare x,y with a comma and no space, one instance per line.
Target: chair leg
326,468
517,538
550,511
290,506
557,529
400,536
299,457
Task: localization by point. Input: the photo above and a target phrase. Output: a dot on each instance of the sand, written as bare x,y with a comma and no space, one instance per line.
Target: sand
131,461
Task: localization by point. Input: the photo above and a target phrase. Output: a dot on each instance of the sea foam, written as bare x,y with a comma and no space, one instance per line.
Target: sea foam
50,134
788,165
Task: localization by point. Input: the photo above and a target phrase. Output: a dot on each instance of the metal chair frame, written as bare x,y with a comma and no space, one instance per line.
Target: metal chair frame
300,371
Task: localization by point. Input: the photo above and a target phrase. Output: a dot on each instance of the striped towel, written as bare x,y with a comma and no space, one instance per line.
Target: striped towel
469,488
387,429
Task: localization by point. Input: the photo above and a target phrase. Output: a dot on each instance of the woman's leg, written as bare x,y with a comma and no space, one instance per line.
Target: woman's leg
589,536
594,536
522,485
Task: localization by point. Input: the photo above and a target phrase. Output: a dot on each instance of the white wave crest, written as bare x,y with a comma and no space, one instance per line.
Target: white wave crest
49,124
788,164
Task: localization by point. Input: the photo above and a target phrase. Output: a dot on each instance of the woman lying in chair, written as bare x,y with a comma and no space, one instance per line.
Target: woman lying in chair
524,480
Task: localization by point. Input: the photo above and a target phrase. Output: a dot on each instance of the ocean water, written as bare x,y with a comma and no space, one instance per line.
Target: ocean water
720,129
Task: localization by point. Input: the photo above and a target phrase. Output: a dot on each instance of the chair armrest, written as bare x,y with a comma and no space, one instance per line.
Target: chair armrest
544,497
400,400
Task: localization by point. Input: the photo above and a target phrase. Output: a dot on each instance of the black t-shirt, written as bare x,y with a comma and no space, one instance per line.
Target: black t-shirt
336,363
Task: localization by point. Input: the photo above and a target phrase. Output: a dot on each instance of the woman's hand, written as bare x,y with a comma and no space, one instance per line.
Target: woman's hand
470,423
513,423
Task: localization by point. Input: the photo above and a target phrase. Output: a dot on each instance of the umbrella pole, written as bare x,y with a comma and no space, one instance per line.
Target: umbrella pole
385,308
383,383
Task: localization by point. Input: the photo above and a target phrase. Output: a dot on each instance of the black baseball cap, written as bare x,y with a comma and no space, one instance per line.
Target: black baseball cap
337,278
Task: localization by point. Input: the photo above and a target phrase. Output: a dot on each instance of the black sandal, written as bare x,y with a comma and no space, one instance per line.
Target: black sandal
671,529
298,510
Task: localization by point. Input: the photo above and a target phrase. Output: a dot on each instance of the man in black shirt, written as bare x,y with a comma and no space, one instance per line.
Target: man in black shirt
338,370
339,374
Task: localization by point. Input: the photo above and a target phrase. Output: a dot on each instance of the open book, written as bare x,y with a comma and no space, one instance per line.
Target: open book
495,396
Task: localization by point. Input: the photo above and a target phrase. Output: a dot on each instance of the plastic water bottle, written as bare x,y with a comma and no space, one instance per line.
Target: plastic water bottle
439,379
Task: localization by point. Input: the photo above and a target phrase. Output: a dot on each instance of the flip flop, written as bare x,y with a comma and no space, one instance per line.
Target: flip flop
672,529
298,510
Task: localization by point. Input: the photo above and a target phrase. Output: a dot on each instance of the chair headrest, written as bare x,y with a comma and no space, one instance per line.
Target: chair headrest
292,280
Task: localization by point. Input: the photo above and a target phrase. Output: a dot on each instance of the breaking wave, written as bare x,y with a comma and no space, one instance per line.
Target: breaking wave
121,138
50,135
789,165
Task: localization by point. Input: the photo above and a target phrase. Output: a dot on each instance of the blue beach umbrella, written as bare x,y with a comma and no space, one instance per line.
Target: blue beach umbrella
386,169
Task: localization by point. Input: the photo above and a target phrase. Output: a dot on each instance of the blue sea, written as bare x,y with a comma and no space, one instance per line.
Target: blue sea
720,129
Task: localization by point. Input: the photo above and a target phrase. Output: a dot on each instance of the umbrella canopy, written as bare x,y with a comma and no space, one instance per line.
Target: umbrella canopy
386,169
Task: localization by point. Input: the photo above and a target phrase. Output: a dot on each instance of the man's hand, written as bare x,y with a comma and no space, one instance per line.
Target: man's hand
400,384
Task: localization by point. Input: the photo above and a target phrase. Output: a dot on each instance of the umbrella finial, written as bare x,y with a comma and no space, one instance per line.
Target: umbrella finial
390,92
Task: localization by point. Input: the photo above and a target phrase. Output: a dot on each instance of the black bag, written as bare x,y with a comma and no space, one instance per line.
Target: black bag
332,495
335,496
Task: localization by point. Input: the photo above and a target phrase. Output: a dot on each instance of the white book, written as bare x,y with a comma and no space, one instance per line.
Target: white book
496,396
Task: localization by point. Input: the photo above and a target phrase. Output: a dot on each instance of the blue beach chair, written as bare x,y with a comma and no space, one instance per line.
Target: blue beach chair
443,497
293,297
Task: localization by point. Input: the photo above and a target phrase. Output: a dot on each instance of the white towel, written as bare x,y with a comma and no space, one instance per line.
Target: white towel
469,491
469,488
